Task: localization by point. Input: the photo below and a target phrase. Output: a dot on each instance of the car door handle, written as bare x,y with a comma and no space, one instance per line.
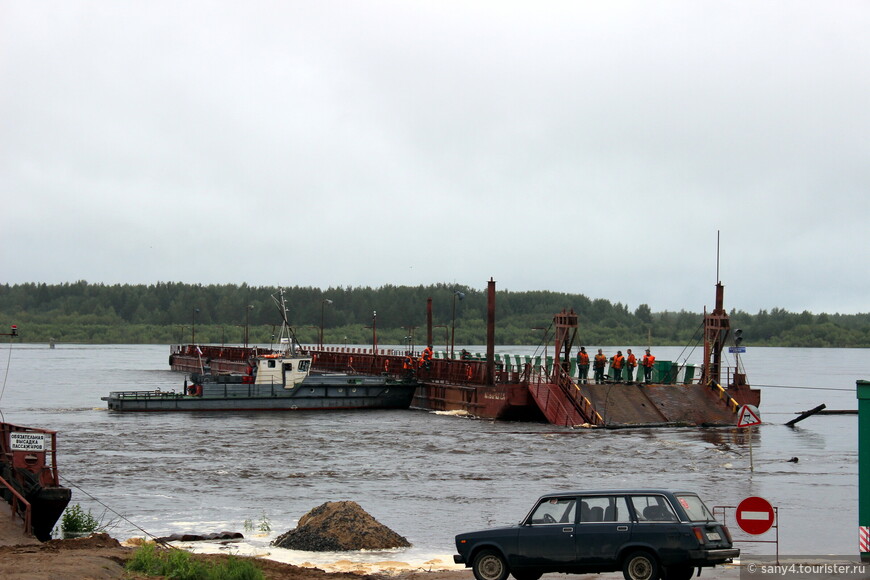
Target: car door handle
621,528
567,530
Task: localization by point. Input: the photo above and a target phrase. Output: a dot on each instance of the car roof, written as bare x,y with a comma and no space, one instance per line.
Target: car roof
633,491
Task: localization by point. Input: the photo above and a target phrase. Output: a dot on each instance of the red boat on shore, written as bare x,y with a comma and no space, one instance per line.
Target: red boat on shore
29,480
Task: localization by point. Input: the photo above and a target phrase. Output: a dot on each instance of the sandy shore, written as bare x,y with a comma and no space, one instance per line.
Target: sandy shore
101,557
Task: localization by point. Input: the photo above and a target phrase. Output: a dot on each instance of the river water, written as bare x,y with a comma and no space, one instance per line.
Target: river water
428,476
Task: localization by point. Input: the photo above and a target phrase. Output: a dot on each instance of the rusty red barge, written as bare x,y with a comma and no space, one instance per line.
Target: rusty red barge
511,388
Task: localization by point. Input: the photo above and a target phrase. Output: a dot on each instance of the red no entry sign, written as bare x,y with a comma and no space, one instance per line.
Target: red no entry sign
755,515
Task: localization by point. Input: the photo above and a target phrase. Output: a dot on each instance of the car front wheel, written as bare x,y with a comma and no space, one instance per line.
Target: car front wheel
640,565
490,565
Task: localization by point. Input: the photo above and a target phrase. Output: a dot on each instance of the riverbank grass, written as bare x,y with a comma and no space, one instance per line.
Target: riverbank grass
179,565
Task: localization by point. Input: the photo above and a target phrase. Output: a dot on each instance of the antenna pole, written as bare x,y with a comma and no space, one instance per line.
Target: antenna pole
717,256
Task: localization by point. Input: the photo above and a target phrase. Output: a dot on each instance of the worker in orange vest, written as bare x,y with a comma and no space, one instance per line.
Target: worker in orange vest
408,366
630,364
583,366
426,358
598,364
648,361
616,363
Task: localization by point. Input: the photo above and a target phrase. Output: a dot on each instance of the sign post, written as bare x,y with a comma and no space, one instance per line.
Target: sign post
748,416
863,388
755,515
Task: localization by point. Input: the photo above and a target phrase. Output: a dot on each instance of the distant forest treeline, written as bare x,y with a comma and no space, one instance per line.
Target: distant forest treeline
165,313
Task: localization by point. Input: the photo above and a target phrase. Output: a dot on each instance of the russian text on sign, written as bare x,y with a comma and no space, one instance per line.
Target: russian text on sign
27,441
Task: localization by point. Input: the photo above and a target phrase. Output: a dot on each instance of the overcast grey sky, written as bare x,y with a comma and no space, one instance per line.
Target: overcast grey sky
590,147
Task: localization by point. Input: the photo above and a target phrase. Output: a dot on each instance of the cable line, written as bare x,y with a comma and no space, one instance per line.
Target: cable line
120,516
808,388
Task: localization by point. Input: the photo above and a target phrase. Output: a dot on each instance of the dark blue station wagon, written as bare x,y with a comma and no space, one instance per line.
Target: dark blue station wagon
648,534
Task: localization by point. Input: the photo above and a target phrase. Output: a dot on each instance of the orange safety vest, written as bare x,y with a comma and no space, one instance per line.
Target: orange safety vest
600,359
427,354
632,360
583,358
617,361
648,360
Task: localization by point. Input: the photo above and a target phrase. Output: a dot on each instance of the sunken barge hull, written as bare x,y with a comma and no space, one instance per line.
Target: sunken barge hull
29,480
528,391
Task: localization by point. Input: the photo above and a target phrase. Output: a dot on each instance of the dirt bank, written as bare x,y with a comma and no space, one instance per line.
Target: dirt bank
100,557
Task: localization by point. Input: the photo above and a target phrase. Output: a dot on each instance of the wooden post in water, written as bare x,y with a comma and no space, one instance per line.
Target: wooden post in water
805,414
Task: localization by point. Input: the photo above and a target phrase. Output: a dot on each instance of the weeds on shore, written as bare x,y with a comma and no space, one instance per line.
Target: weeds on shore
76,521
179,565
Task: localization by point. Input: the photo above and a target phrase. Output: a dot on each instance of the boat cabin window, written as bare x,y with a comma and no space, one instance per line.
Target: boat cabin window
303,365
288,367
270,364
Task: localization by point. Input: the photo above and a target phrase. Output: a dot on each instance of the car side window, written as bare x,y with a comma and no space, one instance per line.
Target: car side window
554,510
652,508
597,509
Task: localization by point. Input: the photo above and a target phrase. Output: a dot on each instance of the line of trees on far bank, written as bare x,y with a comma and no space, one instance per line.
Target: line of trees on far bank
171,312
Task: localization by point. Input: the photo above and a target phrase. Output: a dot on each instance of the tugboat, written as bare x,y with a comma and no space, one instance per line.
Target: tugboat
272,381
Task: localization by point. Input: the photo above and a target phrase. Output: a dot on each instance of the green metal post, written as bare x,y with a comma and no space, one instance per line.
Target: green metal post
863,388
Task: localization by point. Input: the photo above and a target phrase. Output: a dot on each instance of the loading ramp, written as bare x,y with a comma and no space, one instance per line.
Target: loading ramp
634,405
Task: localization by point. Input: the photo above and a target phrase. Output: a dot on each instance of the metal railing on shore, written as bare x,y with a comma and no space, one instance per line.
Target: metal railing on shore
17,499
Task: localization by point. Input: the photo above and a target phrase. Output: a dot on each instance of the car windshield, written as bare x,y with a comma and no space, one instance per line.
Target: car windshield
695,508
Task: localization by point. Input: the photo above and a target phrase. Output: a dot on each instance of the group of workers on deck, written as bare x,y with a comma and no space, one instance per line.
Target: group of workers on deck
618,363
424,362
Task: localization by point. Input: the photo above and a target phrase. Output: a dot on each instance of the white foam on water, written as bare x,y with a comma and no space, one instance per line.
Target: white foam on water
359,562
457,413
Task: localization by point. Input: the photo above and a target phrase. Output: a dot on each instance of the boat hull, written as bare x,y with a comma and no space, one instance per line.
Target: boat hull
314,393
505,402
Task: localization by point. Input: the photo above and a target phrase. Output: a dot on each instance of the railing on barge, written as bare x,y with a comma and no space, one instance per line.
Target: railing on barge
470,371
364,361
